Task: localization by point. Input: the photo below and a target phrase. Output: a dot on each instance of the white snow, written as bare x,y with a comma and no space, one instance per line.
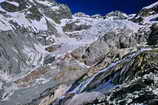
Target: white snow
35,56
44,2
85,37
41,80
155,91
8,92
1,9
98,28
2,1
149,18
13,3
4,24
1,84
55,8
5,76
21,20
151,6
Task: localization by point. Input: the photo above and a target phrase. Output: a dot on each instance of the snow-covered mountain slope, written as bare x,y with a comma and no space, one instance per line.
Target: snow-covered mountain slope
44,49
25,26
24,29
148,14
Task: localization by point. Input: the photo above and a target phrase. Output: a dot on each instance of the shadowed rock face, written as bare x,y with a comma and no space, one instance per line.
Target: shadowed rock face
21,33
73,27
38,7
25,26
149,10
109,44
14,5
147,14
153,38
120,78
132,80
14,59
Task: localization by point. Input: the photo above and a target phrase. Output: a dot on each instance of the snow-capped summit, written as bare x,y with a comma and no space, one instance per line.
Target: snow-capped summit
117,15
148,14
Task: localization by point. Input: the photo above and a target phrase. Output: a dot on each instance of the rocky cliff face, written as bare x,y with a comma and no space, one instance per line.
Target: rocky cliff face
26,27
50,57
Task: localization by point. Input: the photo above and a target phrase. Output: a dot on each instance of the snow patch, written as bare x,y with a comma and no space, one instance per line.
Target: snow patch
21,20
44,2
151,6
13,3
2,1
150,19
